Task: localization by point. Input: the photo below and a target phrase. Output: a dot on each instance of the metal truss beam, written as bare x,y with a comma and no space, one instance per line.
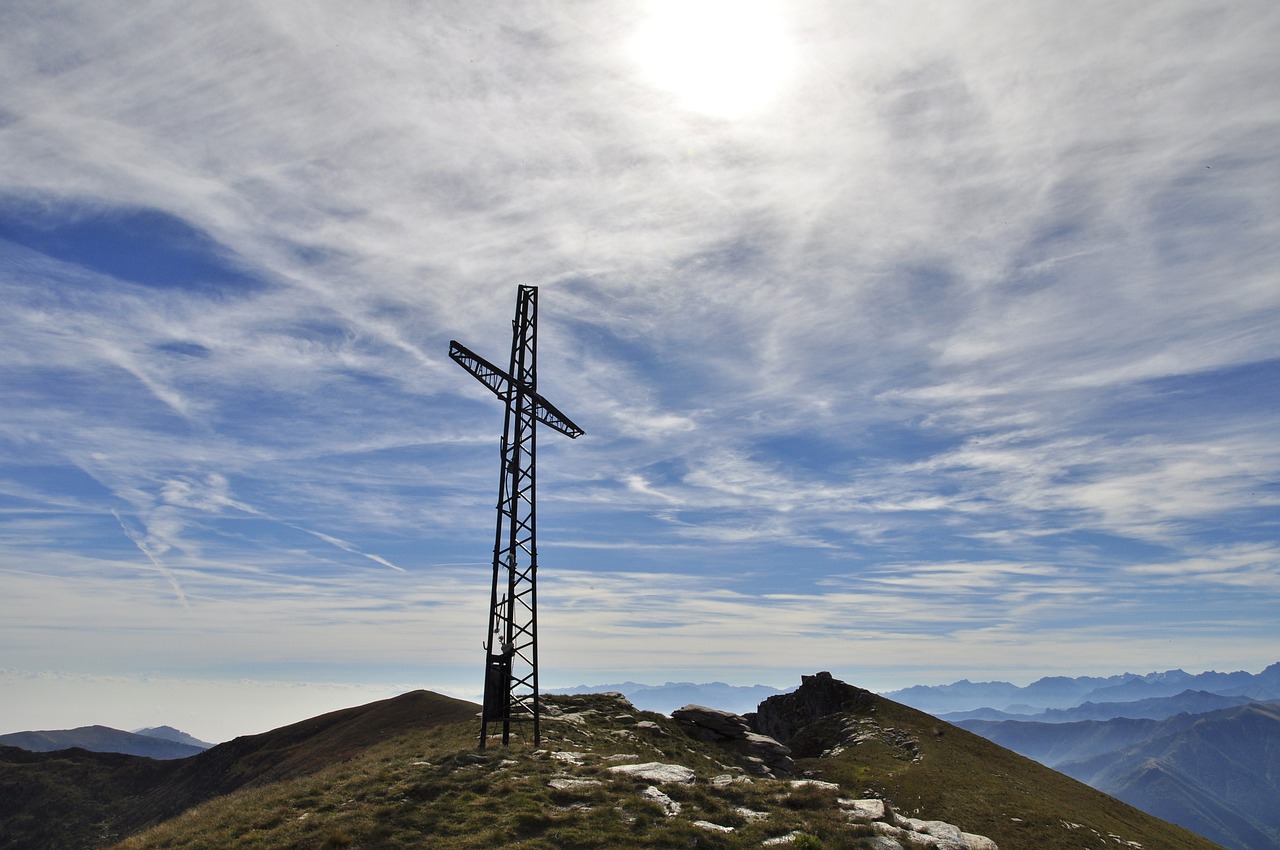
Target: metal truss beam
511,646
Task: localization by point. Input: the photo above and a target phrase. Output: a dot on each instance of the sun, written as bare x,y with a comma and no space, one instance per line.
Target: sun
725,58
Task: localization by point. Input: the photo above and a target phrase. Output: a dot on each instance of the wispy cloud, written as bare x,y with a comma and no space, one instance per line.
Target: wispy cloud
966,338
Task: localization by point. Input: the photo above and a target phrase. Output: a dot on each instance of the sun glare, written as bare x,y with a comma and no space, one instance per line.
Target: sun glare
721,57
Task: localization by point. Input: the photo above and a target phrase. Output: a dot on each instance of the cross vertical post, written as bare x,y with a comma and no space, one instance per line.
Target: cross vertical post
511,644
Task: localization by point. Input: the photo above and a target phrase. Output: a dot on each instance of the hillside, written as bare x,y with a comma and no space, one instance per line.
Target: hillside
1217,773
80,799
405,773
1220,776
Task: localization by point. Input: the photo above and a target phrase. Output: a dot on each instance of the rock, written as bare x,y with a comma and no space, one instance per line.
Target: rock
936,828
725,779
882,842
789,838
562,783
775,756
814,783
650,727
864,809
783,715
711,724
656,772
669,806
933,834
764,755
712,827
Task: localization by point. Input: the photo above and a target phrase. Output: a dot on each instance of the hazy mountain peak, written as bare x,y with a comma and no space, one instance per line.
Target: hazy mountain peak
168,733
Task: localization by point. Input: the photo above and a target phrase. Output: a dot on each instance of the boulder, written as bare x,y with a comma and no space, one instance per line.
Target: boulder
710,724
712,827
669,806
763,755
656,772
864,809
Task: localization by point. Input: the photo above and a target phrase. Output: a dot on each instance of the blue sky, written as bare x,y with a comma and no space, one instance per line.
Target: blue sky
913,341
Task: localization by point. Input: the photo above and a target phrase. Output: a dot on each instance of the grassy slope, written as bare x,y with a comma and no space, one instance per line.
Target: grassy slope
74,799
428,787
966,780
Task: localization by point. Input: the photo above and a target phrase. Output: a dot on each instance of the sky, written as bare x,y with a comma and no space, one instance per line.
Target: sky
913,341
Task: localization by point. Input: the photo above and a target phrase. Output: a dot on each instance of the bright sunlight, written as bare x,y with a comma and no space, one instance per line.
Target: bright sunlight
725,58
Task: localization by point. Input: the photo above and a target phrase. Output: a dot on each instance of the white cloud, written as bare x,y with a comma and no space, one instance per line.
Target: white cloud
922,323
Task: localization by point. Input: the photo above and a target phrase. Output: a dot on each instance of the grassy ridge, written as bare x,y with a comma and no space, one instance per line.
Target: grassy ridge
429,787
433,789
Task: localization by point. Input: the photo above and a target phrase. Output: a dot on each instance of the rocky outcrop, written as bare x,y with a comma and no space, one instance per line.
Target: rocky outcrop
906,833
818,696
764,755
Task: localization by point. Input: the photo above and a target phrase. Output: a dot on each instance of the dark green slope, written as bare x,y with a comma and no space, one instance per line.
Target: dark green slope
74,798
69,798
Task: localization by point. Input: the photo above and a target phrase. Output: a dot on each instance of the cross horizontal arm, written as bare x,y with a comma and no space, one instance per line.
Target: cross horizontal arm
500,382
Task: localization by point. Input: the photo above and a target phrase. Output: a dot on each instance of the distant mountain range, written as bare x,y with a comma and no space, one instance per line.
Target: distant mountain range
1062,692
168,733
163,742
1201,750
1152,708
665,699
1216,773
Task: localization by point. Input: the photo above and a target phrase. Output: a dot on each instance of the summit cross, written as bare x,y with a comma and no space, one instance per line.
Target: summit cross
511,645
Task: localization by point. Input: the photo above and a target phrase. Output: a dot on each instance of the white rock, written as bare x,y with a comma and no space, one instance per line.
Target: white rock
907,837
938,829
979,842
782,839
571,758
712,827
670,806
656,772
749,814
563,783
725,779
863,809
815,783
882,842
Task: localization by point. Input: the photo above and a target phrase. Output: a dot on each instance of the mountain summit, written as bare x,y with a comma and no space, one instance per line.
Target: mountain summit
862,772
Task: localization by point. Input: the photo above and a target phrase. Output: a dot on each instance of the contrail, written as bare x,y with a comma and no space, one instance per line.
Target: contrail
151,556
347,547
